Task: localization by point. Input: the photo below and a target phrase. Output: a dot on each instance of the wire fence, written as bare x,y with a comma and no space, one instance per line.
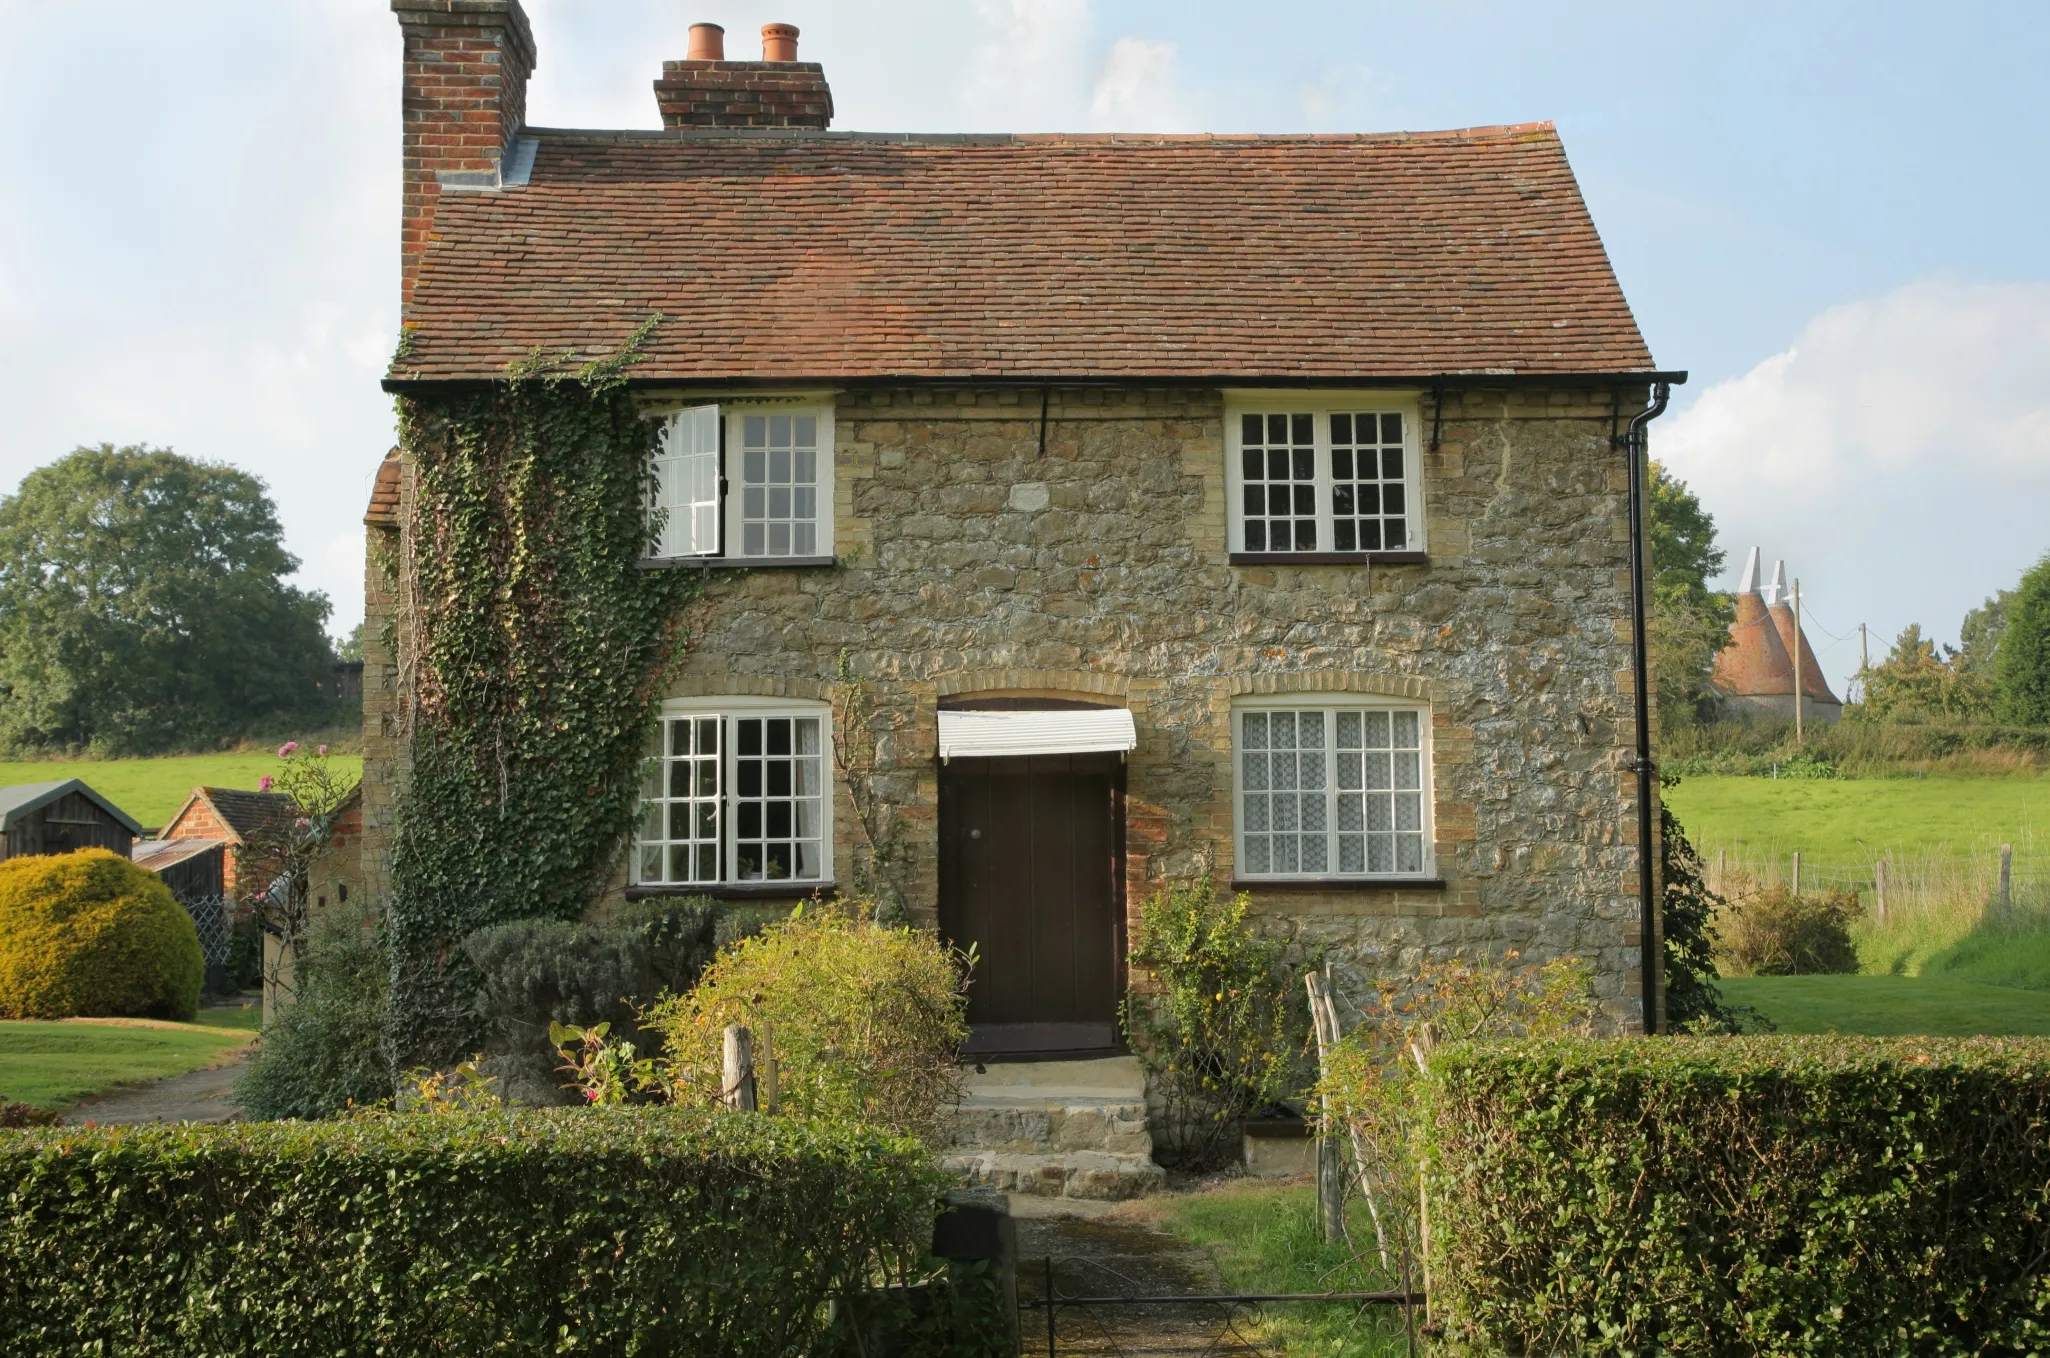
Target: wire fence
1987,887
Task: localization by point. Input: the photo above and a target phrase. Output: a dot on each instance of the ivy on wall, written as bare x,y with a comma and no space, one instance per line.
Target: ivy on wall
532,655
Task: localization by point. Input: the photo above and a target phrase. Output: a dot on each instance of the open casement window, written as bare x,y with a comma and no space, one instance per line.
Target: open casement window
687,484
747,481
1324,477
1332,790
734,793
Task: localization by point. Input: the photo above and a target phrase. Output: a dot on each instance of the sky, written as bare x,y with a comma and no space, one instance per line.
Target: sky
1832,215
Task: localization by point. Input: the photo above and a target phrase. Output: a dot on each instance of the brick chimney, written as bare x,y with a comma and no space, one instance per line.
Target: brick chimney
777,91
465,99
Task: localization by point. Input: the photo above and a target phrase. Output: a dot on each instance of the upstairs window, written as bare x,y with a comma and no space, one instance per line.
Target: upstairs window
1323,479
745,482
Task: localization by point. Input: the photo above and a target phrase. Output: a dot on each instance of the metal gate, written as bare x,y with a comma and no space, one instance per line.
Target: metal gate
1231,1306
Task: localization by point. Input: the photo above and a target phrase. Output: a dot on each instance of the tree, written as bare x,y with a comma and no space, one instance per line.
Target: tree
351,646
1914,682
143,606
2021,673
1687,622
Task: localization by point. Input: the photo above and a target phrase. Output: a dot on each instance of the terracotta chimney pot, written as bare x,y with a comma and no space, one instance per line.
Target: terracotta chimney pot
707,43
779,42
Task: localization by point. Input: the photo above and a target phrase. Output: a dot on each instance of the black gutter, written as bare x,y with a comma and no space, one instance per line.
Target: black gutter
1634,443
1462,381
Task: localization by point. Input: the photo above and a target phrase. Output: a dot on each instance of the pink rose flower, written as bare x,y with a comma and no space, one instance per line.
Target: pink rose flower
263,783
322,751
285,750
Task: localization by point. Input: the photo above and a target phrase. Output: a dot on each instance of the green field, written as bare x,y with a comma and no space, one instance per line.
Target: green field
54,1065
1888,1006
1856,820
152,790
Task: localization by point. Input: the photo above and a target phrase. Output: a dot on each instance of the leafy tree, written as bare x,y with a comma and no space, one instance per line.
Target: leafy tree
1979,634
143,606
2022,671
351,646
1687,622
1915,683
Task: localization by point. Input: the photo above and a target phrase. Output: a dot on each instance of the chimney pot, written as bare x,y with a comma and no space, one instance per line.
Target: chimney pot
779,42
707,43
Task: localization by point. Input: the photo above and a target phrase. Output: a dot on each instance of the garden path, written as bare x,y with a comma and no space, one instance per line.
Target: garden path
1095,1253
197,1096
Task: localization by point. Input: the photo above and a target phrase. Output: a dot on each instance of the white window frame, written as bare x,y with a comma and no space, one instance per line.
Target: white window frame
730,517
1332,705
1323,405
728,711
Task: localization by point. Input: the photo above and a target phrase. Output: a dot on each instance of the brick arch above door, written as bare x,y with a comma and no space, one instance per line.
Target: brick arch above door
1080,683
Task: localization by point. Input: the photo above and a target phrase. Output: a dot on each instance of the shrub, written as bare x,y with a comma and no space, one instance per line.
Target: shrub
325,1049
1741,1195
540,972
865,1021
1224,1030
629,1231
91,933
1774,932
16,1115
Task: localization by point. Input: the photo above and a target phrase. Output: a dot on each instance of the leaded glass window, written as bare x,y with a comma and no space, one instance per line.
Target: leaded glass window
1331,792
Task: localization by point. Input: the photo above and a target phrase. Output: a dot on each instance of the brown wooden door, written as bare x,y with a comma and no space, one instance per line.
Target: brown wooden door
1030,864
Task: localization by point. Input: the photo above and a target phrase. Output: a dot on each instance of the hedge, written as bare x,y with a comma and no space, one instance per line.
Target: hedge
618,1231
1783,1195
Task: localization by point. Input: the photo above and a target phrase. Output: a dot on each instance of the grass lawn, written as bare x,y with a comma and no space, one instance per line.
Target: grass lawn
1888,1006
54,1065
242,1015
1852,821
1263,1236
151,790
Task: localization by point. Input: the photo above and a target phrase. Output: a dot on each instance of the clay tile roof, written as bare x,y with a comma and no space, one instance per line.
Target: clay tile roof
794,256
245,812
384,494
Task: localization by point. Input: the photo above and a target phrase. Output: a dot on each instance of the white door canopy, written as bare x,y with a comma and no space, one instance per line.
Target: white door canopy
994,735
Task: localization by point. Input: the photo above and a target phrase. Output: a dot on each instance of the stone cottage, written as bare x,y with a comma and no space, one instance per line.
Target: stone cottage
1257,506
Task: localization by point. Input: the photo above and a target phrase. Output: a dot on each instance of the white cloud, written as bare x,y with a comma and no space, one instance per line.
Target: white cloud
1036,68
1139,90
1897,455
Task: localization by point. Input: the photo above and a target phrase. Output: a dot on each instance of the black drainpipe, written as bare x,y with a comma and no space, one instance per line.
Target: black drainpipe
1633,451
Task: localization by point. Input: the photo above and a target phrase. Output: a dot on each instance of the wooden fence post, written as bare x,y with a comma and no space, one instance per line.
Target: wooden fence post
1879,889
1722,869
1797,872
1330,1188
2006,875
738,1091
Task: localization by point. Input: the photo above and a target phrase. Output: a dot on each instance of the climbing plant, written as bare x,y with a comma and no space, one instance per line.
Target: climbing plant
533,648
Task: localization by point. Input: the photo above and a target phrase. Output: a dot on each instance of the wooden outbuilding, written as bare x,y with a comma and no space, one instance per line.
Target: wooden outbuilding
192,868
61,817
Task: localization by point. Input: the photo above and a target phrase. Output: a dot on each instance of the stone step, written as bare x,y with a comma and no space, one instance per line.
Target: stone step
1032,1127
1072,1174
1054,1129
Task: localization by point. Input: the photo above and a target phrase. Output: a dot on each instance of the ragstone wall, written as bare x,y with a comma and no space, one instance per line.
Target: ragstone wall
971,562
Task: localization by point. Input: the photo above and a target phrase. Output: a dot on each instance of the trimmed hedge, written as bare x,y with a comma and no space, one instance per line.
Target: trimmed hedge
91,933
622,1231
1779,1195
